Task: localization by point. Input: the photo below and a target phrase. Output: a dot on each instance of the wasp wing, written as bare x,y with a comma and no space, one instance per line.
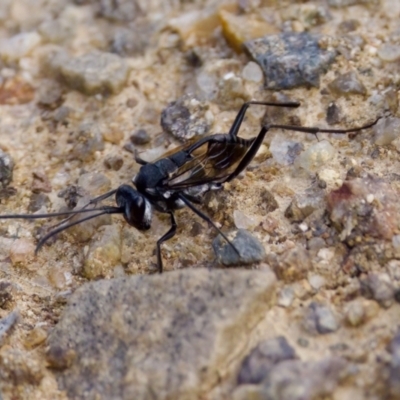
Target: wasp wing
211,159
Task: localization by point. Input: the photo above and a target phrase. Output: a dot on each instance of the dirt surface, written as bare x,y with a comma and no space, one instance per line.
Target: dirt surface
79,79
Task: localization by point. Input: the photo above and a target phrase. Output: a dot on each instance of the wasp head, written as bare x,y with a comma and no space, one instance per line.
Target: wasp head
136,208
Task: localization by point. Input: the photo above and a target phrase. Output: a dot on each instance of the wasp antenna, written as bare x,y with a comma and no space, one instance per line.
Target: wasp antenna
57,214
104,210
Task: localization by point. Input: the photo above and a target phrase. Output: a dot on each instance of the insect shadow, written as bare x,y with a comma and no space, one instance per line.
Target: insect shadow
180,178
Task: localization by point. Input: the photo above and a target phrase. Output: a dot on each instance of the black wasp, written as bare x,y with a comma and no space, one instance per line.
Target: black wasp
180,179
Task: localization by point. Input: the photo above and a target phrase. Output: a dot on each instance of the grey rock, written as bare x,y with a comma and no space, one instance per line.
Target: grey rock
319,319
258,364
347,84
249,248
161,337
290,59
185,118
93,72
6,324
6,168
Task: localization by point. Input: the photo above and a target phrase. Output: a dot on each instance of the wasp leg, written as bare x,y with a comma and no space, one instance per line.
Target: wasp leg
242,112
259,139
167,236
138,159
207,219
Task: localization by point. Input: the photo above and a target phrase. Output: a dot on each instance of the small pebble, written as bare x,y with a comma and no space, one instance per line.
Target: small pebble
304,205
84,232
257,365
355,313
286,296
316,156
389,52
114,162
40,183
381,288
243,221
316,281
293,265
94,183
93,72
316,243
319,319
57,278
6,168
86,140
347,84
186,118
386,130
348,25
104,253
59,358
284,150
113,135
140,137
249,248
130,147
37,201
6,293
49,93
35,337
326,254
21,250
333,114
61,114
16,47
252,72
6,324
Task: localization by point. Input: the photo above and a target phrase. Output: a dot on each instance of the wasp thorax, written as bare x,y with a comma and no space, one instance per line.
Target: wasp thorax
137,209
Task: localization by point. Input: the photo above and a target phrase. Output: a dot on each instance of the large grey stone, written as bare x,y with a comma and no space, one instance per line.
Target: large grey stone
164,336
